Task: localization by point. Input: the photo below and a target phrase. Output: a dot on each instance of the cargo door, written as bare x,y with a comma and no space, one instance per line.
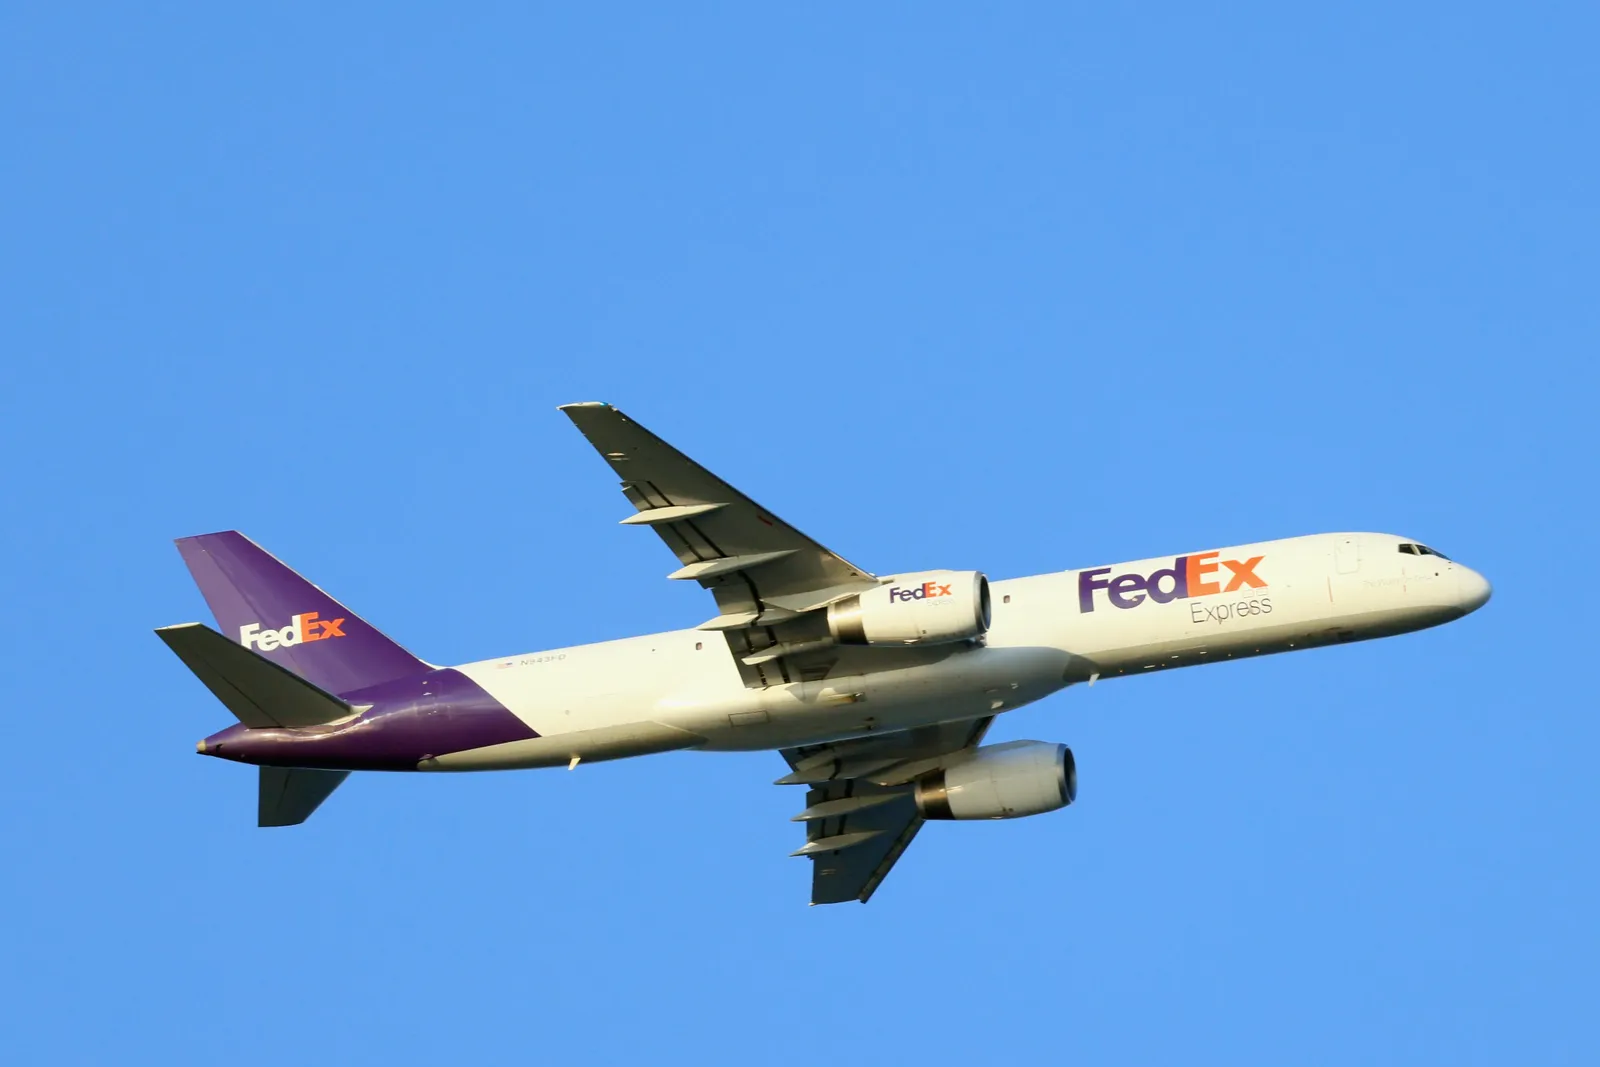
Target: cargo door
1347,555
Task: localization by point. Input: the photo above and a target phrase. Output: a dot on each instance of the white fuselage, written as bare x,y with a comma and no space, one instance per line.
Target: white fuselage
1049,631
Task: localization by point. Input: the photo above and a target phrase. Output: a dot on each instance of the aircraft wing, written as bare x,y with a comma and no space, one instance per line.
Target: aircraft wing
768,578
860,815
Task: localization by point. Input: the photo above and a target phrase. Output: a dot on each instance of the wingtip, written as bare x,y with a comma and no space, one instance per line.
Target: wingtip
192,538
177,626
582,404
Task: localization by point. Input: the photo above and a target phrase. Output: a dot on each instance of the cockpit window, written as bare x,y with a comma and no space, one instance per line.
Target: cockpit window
1409,550
1423,550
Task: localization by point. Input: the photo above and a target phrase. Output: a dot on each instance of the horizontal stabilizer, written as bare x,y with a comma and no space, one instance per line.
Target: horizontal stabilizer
258,692
289,795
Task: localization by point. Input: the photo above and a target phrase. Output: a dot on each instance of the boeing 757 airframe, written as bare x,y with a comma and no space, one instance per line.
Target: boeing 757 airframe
876,690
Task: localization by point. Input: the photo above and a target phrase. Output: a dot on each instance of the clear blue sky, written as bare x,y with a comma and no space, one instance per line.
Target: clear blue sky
1022,288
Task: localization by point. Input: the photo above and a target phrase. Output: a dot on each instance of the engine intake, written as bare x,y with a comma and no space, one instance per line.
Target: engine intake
925,608
1001,782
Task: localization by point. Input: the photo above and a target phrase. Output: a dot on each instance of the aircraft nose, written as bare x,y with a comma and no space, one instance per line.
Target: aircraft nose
1473,589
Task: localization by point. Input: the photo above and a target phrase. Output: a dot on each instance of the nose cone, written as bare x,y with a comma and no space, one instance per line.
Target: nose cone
1473,589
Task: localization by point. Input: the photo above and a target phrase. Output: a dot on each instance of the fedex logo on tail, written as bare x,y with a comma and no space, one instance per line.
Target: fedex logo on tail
900,594
301,629
1189,576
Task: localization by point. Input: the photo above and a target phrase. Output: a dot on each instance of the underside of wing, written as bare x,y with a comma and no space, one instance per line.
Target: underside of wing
852,853
771,582
287,796
860,812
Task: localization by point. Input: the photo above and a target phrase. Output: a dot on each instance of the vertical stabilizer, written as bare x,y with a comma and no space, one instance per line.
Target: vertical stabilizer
268,608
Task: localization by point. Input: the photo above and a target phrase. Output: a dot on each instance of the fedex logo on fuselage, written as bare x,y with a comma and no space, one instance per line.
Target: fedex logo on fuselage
902,594
1189,576
301,629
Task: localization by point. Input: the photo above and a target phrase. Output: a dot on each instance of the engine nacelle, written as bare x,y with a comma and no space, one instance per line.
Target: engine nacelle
925,608
1001,782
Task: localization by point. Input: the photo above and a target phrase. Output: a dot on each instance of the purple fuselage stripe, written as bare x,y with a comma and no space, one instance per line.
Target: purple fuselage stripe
410,719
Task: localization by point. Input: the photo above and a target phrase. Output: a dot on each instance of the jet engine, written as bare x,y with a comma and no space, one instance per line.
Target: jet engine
1001,782
925,608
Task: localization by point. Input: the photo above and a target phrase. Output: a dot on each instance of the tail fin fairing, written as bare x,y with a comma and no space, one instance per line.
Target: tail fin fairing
268,608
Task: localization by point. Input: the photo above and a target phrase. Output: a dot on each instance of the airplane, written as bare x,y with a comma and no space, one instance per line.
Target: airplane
877,690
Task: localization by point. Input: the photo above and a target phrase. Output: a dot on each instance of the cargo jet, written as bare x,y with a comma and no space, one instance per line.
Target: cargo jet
877,690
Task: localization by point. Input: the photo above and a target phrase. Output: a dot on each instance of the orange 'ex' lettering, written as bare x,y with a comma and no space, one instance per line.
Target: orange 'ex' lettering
1196,571
1243,574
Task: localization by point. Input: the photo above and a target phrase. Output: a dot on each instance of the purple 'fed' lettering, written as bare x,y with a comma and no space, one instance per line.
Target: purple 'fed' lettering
1187,577
901,594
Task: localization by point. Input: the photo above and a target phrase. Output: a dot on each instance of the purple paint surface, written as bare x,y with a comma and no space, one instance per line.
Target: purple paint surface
267,607
429,714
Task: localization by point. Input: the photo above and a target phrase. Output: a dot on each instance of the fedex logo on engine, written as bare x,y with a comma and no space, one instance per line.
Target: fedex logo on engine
1189,576
301,629
903,594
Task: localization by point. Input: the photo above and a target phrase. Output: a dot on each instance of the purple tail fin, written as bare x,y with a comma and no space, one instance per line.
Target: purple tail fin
269,608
